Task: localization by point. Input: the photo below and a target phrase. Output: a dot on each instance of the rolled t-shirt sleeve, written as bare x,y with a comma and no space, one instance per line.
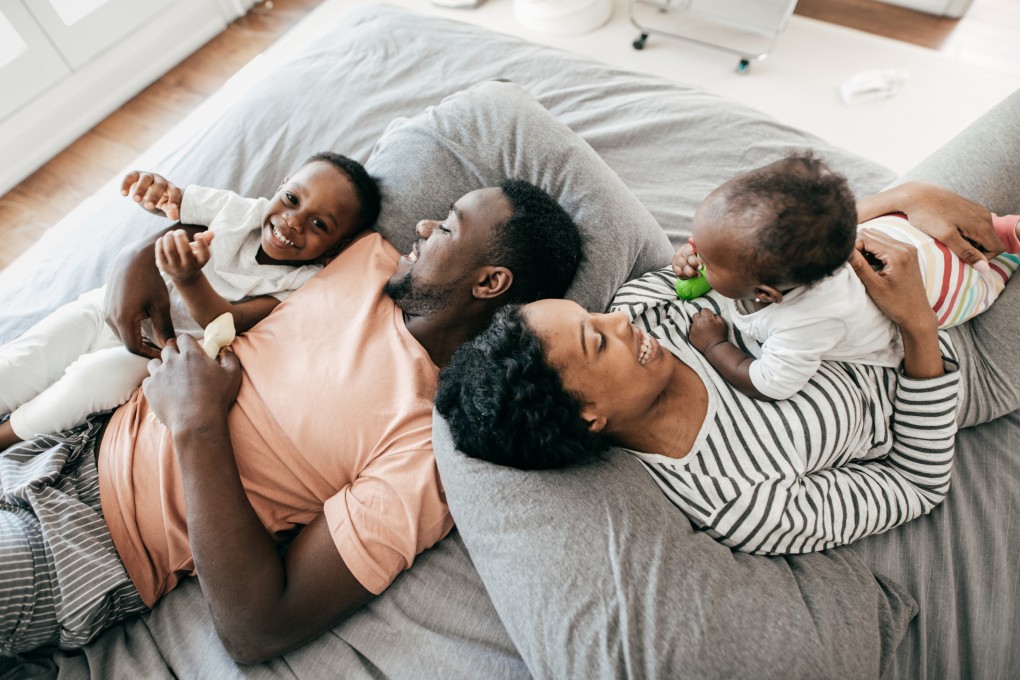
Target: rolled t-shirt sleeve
393,511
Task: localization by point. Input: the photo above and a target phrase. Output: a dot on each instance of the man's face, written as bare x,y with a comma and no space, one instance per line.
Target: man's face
439,270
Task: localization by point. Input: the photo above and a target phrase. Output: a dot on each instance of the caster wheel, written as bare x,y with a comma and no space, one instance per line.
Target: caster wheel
743,67
639,44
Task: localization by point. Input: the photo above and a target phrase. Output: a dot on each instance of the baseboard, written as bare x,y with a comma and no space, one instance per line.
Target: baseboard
33,135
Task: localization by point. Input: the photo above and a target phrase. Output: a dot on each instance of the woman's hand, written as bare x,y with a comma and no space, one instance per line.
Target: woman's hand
898,290
963,225
707,329
187,388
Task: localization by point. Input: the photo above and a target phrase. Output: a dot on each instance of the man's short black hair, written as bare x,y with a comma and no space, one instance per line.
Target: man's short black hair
365,186
804,217
540,244
505,404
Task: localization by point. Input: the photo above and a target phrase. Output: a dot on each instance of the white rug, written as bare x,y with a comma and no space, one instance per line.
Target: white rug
798,82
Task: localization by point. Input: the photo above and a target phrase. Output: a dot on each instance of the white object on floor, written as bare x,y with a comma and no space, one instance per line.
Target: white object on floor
872,85
563,17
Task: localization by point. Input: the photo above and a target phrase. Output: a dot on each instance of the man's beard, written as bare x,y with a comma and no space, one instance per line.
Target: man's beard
419,299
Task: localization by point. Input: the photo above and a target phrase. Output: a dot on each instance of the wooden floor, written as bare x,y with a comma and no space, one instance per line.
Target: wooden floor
987,36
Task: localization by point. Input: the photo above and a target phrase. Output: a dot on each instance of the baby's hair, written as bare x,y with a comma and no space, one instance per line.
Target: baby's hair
365,186
804,217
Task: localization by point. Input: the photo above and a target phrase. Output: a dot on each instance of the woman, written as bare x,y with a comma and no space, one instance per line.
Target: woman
860,450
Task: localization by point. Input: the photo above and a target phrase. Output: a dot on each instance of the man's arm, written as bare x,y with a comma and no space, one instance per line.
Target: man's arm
262,603
135,291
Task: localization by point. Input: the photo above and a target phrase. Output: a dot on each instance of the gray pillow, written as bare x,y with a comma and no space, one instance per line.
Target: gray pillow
494,131
595,574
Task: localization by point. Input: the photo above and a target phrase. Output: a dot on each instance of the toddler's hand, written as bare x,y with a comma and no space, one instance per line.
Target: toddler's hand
180,259
154,193
707,329
686,263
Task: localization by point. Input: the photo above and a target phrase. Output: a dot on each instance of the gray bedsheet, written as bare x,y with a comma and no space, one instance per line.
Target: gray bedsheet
670,144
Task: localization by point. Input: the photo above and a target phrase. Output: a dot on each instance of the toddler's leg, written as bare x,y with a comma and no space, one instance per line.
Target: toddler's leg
95,382
38,358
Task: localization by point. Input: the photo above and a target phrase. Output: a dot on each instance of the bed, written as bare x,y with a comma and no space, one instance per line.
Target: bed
588,572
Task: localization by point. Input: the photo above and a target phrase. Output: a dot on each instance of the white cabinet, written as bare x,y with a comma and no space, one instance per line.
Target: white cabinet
67,64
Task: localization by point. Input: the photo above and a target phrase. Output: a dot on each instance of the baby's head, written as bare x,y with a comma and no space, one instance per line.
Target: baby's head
790,223
319,209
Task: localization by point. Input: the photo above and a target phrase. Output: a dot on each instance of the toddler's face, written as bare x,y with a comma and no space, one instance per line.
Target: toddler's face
311,216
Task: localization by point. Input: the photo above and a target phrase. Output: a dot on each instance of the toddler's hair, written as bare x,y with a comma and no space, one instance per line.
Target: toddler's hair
804,219
365,186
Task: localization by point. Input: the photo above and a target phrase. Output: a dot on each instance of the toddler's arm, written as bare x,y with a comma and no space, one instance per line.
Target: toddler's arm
153,192
708,335
182,261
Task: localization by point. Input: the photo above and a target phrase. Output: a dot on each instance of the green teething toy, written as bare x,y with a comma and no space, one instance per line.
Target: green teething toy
688,289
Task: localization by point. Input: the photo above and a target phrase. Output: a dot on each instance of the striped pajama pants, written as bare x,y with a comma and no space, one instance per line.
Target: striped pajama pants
61,580
956,291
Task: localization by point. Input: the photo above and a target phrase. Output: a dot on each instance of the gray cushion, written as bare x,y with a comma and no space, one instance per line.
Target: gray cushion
494,131
596,575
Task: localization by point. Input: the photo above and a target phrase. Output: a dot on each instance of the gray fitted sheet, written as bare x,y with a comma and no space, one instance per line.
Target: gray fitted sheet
670,144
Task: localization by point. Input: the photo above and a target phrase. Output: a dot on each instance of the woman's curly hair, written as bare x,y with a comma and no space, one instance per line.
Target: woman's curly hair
505,404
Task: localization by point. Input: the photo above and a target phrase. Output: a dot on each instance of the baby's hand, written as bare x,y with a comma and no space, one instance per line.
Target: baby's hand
707,329
686,263
154,192
180,259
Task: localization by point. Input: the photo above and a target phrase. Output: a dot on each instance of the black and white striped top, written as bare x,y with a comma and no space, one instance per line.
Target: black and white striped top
859,450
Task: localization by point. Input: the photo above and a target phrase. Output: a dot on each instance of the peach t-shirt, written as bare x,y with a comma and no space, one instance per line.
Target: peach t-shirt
334,415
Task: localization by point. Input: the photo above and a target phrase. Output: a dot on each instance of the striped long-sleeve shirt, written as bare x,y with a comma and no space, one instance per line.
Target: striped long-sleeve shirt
859,450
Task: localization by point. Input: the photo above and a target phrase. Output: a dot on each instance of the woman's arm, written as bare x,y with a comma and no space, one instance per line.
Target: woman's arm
963,225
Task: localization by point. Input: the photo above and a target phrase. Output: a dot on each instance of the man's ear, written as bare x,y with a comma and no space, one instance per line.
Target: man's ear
594,421
764,293
492,282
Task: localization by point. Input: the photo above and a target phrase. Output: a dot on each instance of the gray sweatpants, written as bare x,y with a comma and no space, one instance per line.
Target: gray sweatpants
61,580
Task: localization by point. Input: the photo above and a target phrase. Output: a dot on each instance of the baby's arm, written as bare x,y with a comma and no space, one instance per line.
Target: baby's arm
153,192
182,261
708,335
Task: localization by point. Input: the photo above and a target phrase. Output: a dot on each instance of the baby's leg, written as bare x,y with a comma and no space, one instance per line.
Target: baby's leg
956,291
38,358
95,382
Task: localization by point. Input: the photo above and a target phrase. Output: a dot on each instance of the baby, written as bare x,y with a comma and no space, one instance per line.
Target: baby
254,253
776,242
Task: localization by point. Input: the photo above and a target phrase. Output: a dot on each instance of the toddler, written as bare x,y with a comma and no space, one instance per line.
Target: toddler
776,242
254,253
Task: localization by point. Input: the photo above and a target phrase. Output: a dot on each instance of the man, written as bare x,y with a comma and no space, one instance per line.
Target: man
319,426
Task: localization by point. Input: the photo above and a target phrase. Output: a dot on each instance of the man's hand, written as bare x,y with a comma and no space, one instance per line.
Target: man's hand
136,292
153,192
186,386
707,329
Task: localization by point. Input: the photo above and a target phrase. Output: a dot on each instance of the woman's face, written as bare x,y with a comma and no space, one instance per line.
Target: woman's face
616,369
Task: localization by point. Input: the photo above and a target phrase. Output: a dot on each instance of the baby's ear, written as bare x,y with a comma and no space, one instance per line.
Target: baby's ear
764,293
